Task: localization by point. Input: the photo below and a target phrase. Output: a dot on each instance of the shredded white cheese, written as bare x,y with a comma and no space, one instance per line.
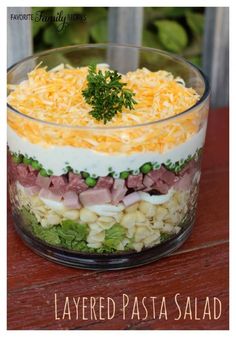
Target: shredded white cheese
56,96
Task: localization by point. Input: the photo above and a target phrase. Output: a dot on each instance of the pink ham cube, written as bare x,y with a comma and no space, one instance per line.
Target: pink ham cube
104,182
118,191
147,181
47,194
131,199
43,182
95,197
76,183
59,184
71,200
135,182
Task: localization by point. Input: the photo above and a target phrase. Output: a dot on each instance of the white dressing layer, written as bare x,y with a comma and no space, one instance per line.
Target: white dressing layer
56,158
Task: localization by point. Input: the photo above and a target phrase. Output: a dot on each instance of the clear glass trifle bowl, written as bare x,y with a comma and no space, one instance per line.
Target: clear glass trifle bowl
104,153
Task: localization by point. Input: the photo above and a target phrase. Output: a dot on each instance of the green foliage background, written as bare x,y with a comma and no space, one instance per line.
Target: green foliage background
175,29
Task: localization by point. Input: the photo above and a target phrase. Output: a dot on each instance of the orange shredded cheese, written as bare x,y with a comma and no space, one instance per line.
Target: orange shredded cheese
56,96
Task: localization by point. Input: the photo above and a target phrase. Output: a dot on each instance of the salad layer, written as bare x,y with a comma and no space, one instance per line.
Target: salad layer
104,214
55,96
83,189
159,94
104,228
86,174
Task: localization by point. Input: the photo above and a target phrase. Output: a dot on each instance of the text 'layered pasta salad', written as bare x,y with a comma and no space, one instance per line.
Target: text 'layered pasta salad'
97,163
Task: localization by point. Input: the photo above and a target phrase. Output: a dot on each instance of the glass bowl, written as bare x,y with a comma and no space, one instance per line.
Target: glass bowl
143,204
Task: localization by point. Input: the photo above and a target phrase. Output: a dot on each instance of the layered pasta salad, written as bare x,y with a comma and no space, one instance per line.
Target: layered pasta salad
97,164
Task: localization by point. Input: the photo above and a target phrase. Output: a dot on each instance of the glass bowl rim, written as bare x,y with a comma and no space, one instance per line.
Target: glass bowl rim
177,58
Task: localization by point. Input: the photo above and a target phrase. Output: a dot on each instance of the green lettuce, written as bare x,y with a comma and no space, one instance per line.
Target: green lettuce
114,235
49,235
72,235
27,217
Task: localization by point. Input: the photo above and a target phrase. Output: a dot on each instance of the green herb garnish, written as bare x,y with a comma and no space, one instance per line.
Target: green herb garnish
106,94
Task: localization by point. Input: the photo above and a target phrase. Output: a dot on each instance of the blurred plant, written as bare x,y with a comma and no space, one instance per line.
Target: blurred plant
175,29
92,29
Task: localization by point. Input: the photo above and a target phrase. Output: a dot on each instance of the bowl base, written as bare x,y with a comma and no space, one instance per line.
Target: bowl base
123,260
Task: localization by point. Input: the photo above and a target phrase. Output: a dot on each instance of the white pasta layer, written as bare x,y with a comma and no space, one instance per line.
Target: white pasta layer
144,222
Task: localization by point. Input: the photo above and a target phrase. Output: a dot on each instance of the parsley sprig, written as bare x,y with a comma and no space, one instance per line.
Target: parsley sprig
106,94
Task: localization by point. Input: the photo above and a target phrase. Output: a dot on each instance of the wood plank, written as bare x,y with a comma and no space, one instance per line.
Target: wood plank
216,53
19,35
199,274
125,26
216,151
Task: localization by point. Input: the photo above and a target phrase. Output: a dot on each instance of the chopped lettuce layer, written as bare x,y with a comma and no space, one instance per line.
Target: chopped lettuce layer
114,235
72,235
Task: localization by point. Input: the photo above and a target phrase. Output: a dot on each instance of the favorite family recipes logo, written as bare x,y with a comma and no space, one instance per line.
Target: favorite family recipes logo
60,18
137,308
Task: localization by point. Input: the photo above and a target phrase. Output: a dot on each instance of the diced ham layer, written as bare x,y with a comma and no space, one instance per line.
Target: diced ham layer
95,197
186,177
155,175
148,181
191,166
161,180
169,178
76,183
161,187
59,184
118,191
27,177
135,182
73,190
71,200
104,182
184,182
43,182
131,199
47,194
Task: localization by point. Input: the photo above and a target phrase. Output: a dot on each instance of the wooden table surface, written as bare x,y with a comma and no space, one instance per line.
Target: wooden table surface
198,270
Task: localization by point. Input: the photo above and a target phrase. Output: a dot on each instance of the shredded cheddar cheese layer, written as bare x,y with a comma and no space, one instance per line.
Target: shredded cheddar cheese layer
56,96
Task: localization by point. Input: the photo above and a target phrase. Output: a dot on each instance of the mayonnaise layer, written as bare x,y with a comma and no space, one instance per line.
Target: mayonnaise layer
56,158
